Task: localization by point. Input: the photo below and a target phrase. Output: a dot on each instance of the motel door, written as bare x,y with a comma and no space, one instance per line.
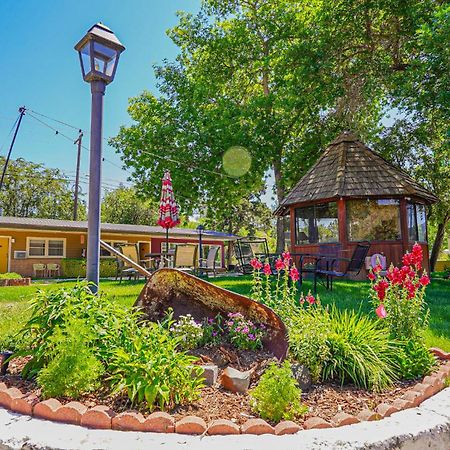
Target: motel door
4,254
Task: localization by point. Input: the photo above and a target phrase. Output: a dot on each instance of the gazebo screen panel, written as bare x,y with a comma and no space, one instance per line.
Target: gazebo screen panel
316,224
373,220
417,222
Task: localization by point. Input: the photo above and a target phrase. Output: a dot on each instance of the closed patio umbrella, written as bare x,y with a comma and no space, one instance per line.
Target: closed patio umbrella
168,208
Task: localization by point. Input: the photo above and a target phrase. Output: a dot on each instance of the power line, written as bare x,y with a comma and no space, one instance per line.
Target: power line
155,155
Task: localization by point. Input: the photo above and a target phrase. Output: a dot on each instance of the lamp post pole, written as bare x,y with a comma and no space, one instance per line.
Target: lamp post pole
95,171
99,52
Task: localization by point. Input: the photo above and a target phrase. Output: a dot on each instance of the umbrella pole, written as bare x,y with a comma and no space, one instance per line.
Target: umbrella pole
167,240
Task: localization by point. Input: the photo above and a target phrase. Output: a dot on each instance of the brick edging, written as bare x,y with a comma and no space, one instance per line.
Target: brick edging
102,417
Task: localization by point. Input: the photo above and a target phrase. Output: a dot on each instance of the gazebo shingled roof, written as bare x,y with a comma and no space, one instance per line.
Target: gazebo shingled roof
348,168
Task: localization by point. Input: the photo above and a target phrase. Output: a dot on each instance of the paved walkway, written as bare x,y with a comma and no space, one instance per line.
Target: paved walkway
425,427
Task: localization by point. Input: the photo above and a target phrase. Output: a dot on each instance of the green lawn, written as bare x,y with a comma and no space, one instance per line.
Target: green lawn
346,294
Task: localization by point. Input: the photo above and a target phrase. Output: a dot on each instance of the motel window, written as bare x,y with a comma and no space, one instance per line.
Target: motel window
373,220
47,248
316,224
116,244
417,222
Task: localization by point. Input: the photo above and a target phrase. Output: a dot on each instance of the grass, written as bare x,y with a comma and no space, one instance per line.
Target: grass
346,295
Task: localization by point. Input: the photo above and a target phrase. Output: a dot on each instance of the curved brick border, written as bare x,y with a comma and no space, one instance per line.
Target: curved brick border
102,417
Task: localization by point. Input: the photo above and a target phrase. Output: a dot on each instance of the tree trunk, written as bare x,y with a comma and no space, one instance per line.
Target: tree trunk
438,243
280,195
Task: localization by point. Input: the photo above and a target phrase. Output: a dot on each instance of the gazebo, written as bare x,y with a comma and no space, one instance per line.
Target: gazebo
352,194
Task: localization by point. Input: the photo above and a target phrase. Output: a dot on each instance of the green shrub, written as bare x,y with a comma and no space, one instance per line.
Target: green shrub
189,332
73,368
10,276
76,267
308,332
110,323
150,368
277,395
360,351
414,360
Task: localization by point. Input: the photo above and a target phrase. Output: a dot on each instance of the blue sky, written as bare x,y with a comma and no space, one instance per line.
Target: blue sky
40,70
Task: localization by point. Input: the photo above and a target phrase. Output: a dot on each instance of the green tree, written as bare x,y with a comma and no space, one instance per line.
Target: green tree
278,77
32,190
123,205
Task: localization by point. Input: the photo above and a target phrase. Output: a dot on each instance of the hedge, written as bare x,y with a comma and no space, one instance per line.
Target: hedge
76,267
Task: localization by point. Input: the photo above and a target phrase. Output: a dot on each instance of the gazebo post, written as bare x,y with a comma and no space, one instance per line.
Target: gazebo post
342,221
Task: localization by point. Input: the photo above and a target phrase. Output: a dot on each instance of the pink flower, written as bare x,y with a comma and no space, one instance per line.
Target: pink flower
279,264
293,273
381,311
310,299
424,280
286,256
257,265
371,276
407,259
267,269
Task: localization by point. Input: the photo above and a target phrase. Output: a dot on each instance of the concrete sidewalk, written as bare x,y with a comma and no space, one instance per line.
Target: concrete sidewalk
425,427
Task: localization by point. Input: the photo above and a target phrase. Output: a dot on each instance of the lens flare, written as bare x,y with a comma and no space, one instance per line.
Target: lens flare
237,161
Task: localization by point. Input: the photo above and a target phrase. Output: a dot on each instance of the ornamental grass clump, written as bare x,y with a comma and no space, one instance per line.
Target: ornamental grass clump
277,395
399,301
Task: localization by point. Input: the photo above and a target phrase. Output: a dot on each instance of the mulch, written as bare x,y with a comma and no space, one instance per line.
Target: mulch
323,400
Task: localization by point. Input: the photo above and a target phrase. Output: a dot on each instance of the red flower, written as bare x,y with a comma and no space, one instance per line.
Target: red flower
371,276
286,256
381,311
424,280
407,259
279,264
310,299
257,265
377,268
267,269
293,273
417,254
380,288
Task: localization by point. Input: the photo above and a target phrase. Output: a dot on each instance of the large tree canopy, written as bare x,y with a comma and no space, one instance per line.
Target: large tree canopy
278,77
32,190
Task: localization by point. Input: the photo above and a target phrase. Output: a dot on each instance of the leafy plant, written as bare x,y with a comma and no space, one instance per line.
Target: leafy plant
243,333
277,395
414,359
212,331
360,351
72,369
10,276
150,368
188,331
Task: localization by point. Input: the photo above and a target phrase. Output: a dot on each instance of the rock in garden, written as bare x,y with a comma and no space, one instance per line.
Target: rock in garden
302,375
209,373
234,380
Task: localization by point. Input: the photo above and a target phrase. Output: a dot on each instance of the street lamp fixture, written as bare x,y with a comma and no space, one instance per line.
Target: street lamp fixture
99,52
200,229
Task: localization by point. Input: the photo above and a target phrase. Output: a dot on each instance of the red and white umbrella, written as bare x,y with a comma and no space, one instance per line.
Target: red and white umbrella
168,208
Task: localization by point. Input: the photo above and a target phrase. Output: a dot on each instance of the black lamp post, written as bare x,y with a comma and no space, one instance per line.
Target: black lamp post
200,229
99,52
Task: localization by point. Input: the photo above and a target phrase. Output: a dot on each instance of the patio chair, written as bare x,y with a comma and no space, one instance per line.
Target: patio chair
131,251
39,268
185,258
248,248
53,270
124,271
208,265
329,266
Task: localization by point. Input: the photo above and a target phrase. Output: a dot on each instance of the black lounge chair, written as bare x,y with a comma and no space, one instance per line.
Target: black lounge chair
329,267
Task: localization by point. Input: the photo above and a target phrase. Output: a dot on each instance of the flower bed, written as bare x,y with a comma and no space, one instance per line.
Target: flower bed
93,363
219,412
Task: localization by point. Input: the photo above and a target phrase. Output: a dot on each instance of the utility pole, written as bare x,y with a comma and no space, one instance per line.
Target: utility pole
22,113
77,176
